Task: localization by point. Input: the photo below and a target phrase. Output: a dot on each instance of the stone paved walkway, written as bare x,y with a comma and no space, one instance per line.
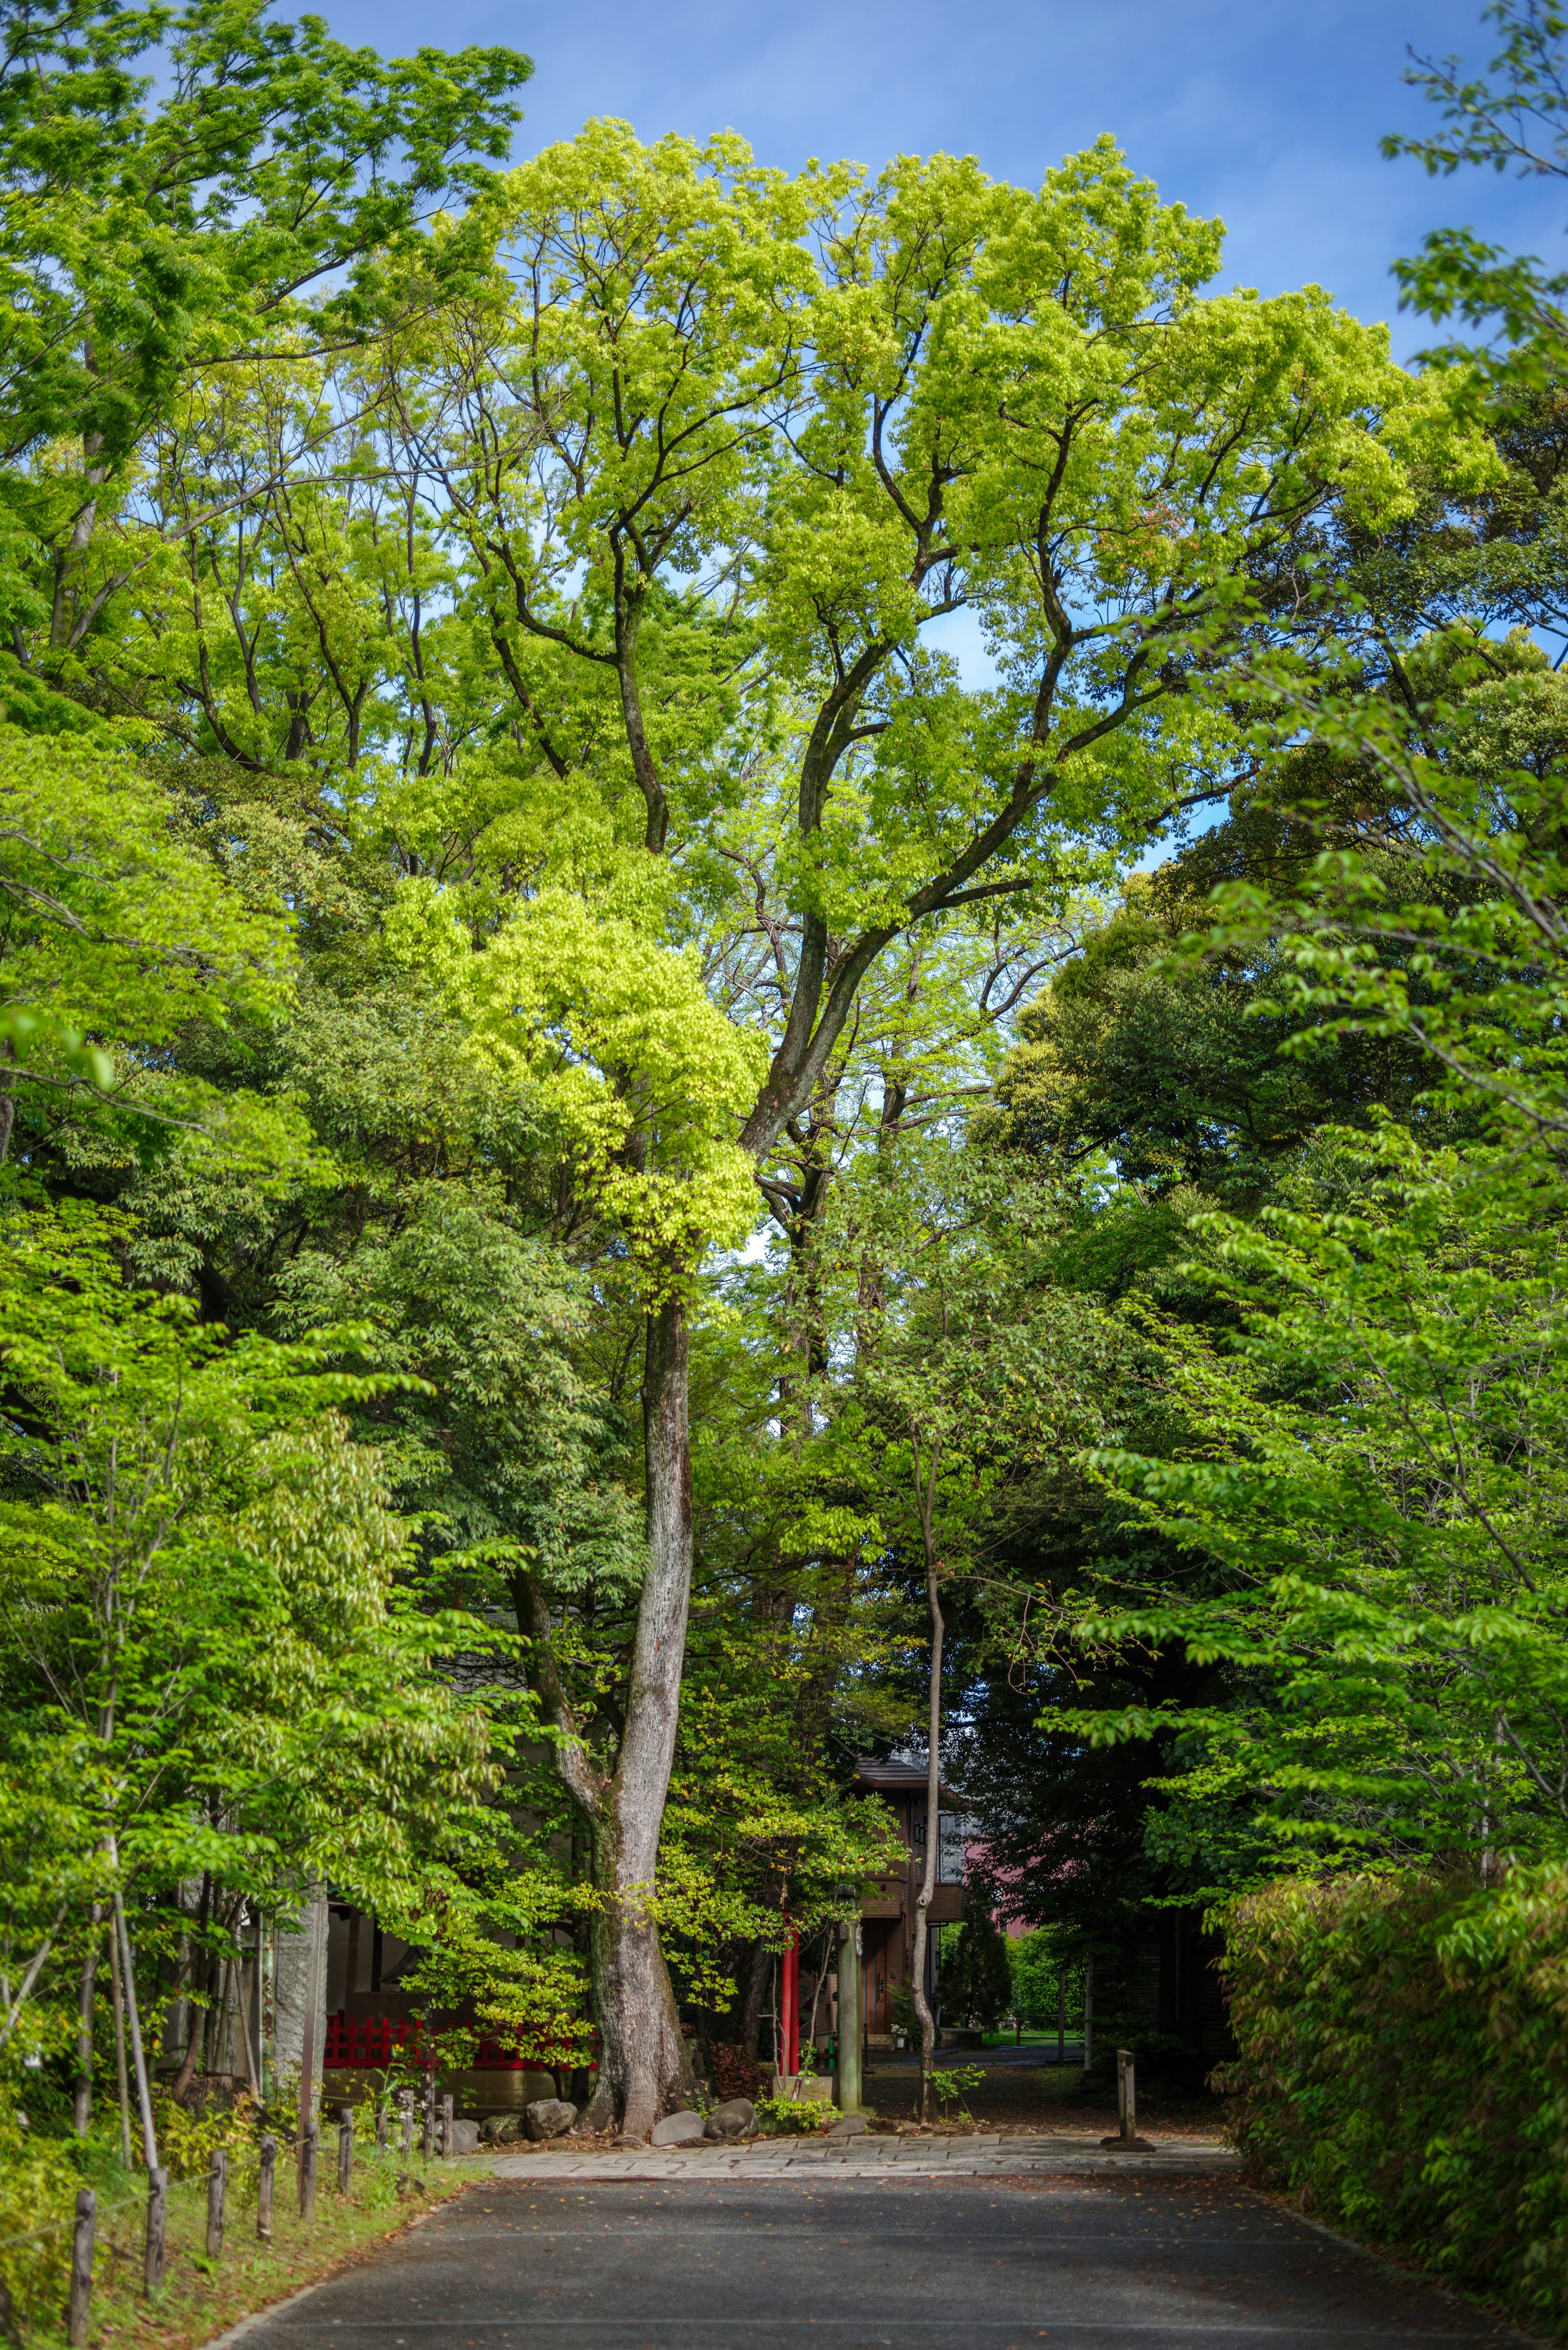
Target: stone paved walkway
980,2157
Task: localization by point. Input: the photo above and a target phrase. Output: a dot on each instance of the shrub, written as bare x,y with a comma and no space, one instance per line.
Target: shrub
785,2114
1404,2069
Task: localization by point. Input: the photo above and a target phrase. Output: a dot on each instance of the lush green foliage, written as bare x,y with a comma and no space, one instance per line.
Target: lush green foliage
487,826
976,1983
1405,2070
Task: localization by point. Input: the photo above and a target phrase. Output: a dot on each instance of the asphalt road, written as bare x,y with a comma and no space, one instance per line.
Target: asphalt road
1079,2264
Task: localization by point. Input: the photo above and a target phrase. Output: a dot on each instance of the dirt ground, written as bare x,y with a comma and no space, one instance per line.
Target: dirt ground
1020,2094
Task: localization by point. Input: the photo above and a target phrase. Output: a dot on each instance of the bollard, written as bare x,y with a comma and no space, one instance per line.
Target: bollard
81,2269
217,2183
345,2150
157,2220
1127,2136
307,2171
429,2116
265,2188
406,2107
446,2146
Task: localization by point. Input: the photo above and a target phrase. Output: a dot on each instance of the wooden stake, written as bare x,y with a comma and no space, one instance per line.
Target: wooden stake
346,2150
380,2125
157,2220
430,2118
265,2188
405,2106
217,2185
1127,2137
307,2172
81,2269
1061,2015
446,2146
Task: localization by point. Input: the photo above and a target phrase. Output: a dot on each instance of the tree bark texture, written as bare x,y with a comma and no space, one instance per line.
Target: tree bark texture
643,2064
933,1840
642,2056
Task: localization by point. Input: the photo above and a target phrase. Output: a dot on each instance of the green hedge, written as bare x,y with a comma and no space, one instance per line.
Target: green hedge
1404,2069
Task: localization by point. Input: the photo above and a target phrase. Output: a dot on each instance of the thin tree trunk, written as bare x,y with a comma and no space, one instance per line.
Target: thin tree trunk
756,1992
926,1493
81,2096
818,1990
201,1972
143,2091
642,2057
121,2080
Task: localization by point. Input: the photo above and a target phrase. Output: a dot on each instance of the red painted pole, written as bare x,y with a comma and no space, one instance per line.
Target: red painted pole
790,2062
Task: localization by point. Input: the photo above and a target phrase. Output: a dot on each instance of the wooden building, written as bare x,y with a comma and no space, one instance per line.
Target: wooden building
888,1909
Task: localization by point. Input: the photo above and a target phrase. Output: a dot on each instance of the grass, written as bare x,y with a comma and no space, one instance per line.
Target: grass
201,2298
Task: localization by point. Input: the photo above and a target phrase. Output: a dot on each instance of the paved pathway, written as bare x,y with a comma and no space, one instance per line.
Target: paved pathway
977,2156
775,2258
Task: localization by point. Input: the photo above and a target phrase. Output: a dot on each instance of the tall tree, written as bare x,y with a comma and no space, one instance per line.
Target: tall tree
724,450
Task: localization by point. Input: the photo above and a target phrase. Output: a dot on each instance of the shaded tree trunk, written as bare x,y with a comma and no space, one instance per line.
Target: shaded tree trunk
926,1493
756,1992
202,1970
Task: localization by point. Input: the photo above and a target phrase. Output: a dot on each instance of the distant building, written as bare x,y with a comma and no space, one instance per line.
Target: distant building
888,1910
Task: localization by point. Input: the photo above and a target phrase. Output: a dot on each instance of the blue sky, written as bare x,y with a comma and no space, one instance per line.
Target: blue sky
1267,112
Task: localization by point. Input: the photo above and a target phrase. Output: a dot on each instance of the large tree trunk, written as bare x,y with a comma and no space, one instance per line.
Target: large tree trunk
643,2064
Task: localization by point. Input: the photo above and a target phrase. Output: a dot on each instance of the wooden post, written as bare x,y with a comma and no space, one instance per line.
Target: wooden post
1061,2015
1088,2010
157,2220
345,2150
307,2172
81,2269
430,2118
217,2187
265,2187
1127,2137
406,2107
446,2145
380,2125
